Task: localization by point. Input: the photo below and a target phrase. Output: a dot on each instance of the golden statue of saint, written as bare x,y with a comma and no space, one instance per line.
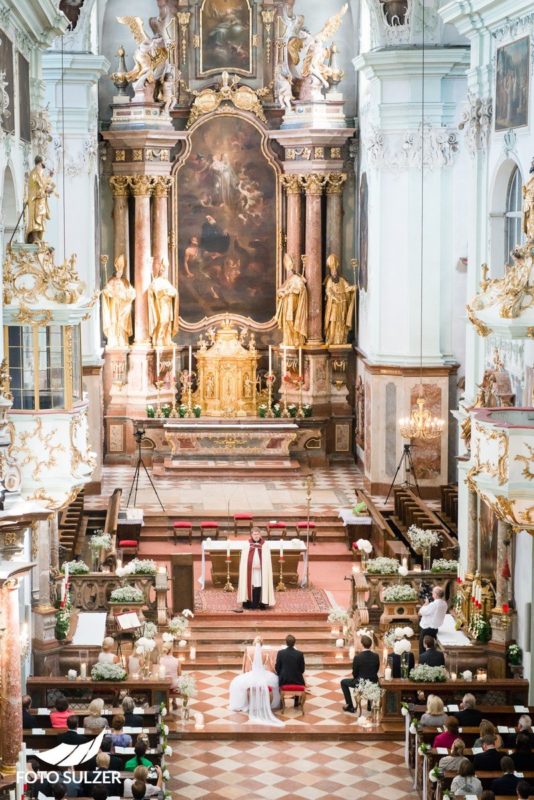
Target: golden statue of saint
292,310
40,187
528,206
339,312
162,307
117,297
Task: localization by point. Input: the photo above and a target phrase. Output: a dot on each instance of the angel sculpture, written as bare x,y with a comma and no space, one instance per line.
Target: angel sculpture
153,66
283,89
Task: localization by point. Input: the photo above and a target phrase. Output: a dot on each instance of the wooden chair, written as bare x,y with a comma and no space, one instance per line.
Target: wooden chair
183,527
302,527
210,527
278,527
243,521
291,692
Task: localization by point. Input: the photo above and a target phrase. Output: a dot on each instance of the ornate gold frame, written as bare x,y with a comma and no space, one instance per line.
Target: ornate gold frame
216,70
205,322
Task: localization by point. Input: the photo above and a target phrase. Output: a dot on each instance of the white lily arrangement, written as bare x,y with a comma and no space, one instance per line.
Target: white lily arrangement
138,566
100,541
399,593
421,539
382,566
150,630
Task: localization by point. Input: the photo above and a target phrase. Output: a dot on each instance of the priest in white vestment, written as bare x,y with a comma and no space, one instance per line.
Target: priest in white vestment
256,587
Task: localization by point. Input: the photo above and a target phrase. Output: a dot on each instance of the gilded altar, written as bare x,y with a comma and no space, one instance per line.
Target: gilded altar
226,373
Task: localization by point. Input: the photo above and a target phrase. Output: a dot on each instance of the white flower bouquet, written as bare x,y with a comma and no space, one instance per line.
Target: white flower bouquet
338,617
150,630
425,674
138,566
108,672
364,545
402,646
369,691
179,625
382,566
127,594
444,565
399,593
76,567
421,539
186,685
100,541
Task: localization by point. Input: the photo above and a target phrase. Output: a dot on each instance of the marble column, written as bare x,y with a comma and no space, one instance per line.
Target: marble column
11,680
141,190
43,564
504,534
119,188
291,184
54,543
313,186
334,214
472,532
160,227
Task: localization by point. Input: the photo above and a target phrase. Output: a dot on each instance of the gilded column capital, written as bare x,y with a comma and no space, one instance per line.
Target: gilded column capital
162,184
119,185
141,185
291,183
313,184
335,182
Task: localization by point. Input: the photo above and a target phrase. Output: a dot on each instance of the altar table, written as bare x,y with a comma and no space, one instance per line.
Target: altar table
357,526
218,549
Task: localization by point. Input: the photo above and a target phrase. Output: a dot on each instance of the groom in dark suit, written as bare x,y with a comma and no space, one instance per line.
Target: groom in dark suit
290,665
365,666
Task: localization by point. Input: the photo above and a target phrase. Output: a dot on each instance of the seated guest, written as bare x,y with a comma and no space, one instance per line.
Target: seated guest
508,783
94,721
523,756
172,669
468,716
434,716
100,792
487,727
365,666
490,758
466,782
72,736
131,719
140,759
487,794
523,790
100,772
119,738
449,735
139,790
59,791
59,717
524,726
141,774
431,657
28,719
290,665
115,763
107,656
396,664
452,763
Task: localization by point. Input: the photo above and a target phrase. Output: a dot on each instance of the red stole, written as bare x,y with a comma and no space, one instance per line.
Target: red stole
253,546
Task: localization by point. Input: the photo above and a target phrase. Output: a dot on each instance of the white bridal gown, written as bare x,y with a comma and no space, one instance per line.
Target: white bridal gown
250,692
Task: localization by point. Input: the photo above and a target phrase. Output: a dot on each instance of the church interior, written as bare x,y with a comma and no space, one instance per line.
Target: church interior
267,399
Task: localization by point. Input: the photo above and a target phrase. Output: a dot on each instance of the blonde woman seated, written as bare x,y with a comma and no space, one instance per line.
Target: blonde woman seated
94,721
268,655
466,781
452,763
435,715
141,774
256,692
487,727
172,669
107,656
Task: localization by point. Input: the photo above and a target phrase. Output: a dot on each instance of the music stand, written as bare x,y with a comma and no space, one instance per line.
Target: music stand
129,629
407,461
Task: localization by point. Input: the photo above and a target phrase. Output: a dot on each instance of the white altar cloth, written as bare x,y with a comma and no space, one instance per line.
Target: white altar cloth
349,518
291,544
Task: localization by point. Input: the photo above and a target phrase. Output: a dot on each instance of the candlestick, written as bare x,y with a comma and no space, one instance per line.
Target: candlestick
281,549
285,412
270,358
174,410
157,363
281,587
228,585
300,362
190,359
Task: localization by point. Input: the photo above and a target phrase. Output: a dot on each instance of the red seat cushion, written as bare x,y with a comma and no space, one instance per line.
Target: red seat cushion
128,543
182,525
292,687
305,524
277,525
243,516
209,524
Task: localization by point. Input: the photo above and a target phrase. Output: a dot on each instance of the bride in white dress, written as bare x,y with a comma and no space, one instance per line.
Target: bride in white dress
249,692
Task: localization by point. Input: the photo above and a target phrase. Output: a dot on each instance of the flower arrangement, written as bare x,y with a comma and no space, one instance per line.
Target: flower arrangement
262,410
100,541
166,410
338,617
307,410
444,565
467,675
144,646
382,566
435,774
399,593
480,628
75,567
63,615
150,630
179,625
182,410
127,594
514,654
277,410
421,539
197,410
108,672
138,566
369,691
186,685
402,646
425,674
363,545
396,634
292,409
150,412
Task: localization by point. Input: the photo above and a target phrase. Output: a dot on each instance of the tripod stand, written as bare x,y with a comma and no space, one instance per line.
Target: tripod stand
139,434
407,461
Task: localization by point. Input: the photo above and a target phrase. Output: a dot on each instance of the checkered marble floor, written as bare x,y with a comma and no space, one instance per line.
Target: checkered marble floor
278,770
333,488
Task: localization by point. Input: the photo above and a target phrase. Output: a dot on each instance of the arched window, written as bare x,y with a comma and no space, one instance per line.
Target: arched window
512,230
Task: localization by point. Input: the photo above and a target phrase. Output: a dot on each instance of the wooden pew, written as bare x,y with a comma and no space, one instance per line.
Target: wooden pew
48,739
382,537
411,510
155,689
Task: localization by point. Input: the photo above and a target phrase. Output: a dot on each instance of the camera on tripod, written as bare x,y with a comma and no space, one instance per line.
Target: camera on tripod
139,434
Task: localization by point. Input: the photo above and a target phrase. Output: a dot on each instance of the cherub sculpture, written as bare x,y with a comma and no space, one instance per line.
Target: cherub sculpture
282,87
152,59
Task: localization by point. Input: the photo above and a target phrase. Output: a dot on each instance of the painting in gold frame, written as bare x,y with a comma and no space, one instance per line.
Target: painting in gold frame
226,36
226,218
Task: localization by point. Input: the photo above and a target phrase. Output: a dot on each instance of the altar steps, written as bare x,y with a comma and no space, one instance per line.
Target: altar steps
213,468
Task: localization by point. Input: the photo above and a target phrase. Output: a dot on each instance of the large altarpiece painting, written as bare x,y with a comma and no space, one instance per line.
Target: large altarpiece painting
226,36
227,214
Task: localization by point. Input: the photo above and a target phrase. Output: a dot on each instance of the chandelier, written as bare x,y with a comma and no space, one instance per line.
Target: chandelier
421,424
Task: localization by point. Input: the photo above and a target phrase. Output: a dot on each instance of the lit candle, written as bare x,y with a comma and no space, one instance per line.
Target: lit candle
405,561
454,676
340,642
417,568
300,362
270,359
227,549
356,568
83,670
387,674
135,676
190,359
281,549
192,653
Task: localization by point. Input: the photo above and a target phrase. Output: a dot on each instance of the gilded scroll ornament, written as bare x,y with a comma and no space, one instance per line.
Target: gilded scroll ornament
119,184
335,182
31,275
292,309
313,184
242,97
528,459
33,443
183,21
291,183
